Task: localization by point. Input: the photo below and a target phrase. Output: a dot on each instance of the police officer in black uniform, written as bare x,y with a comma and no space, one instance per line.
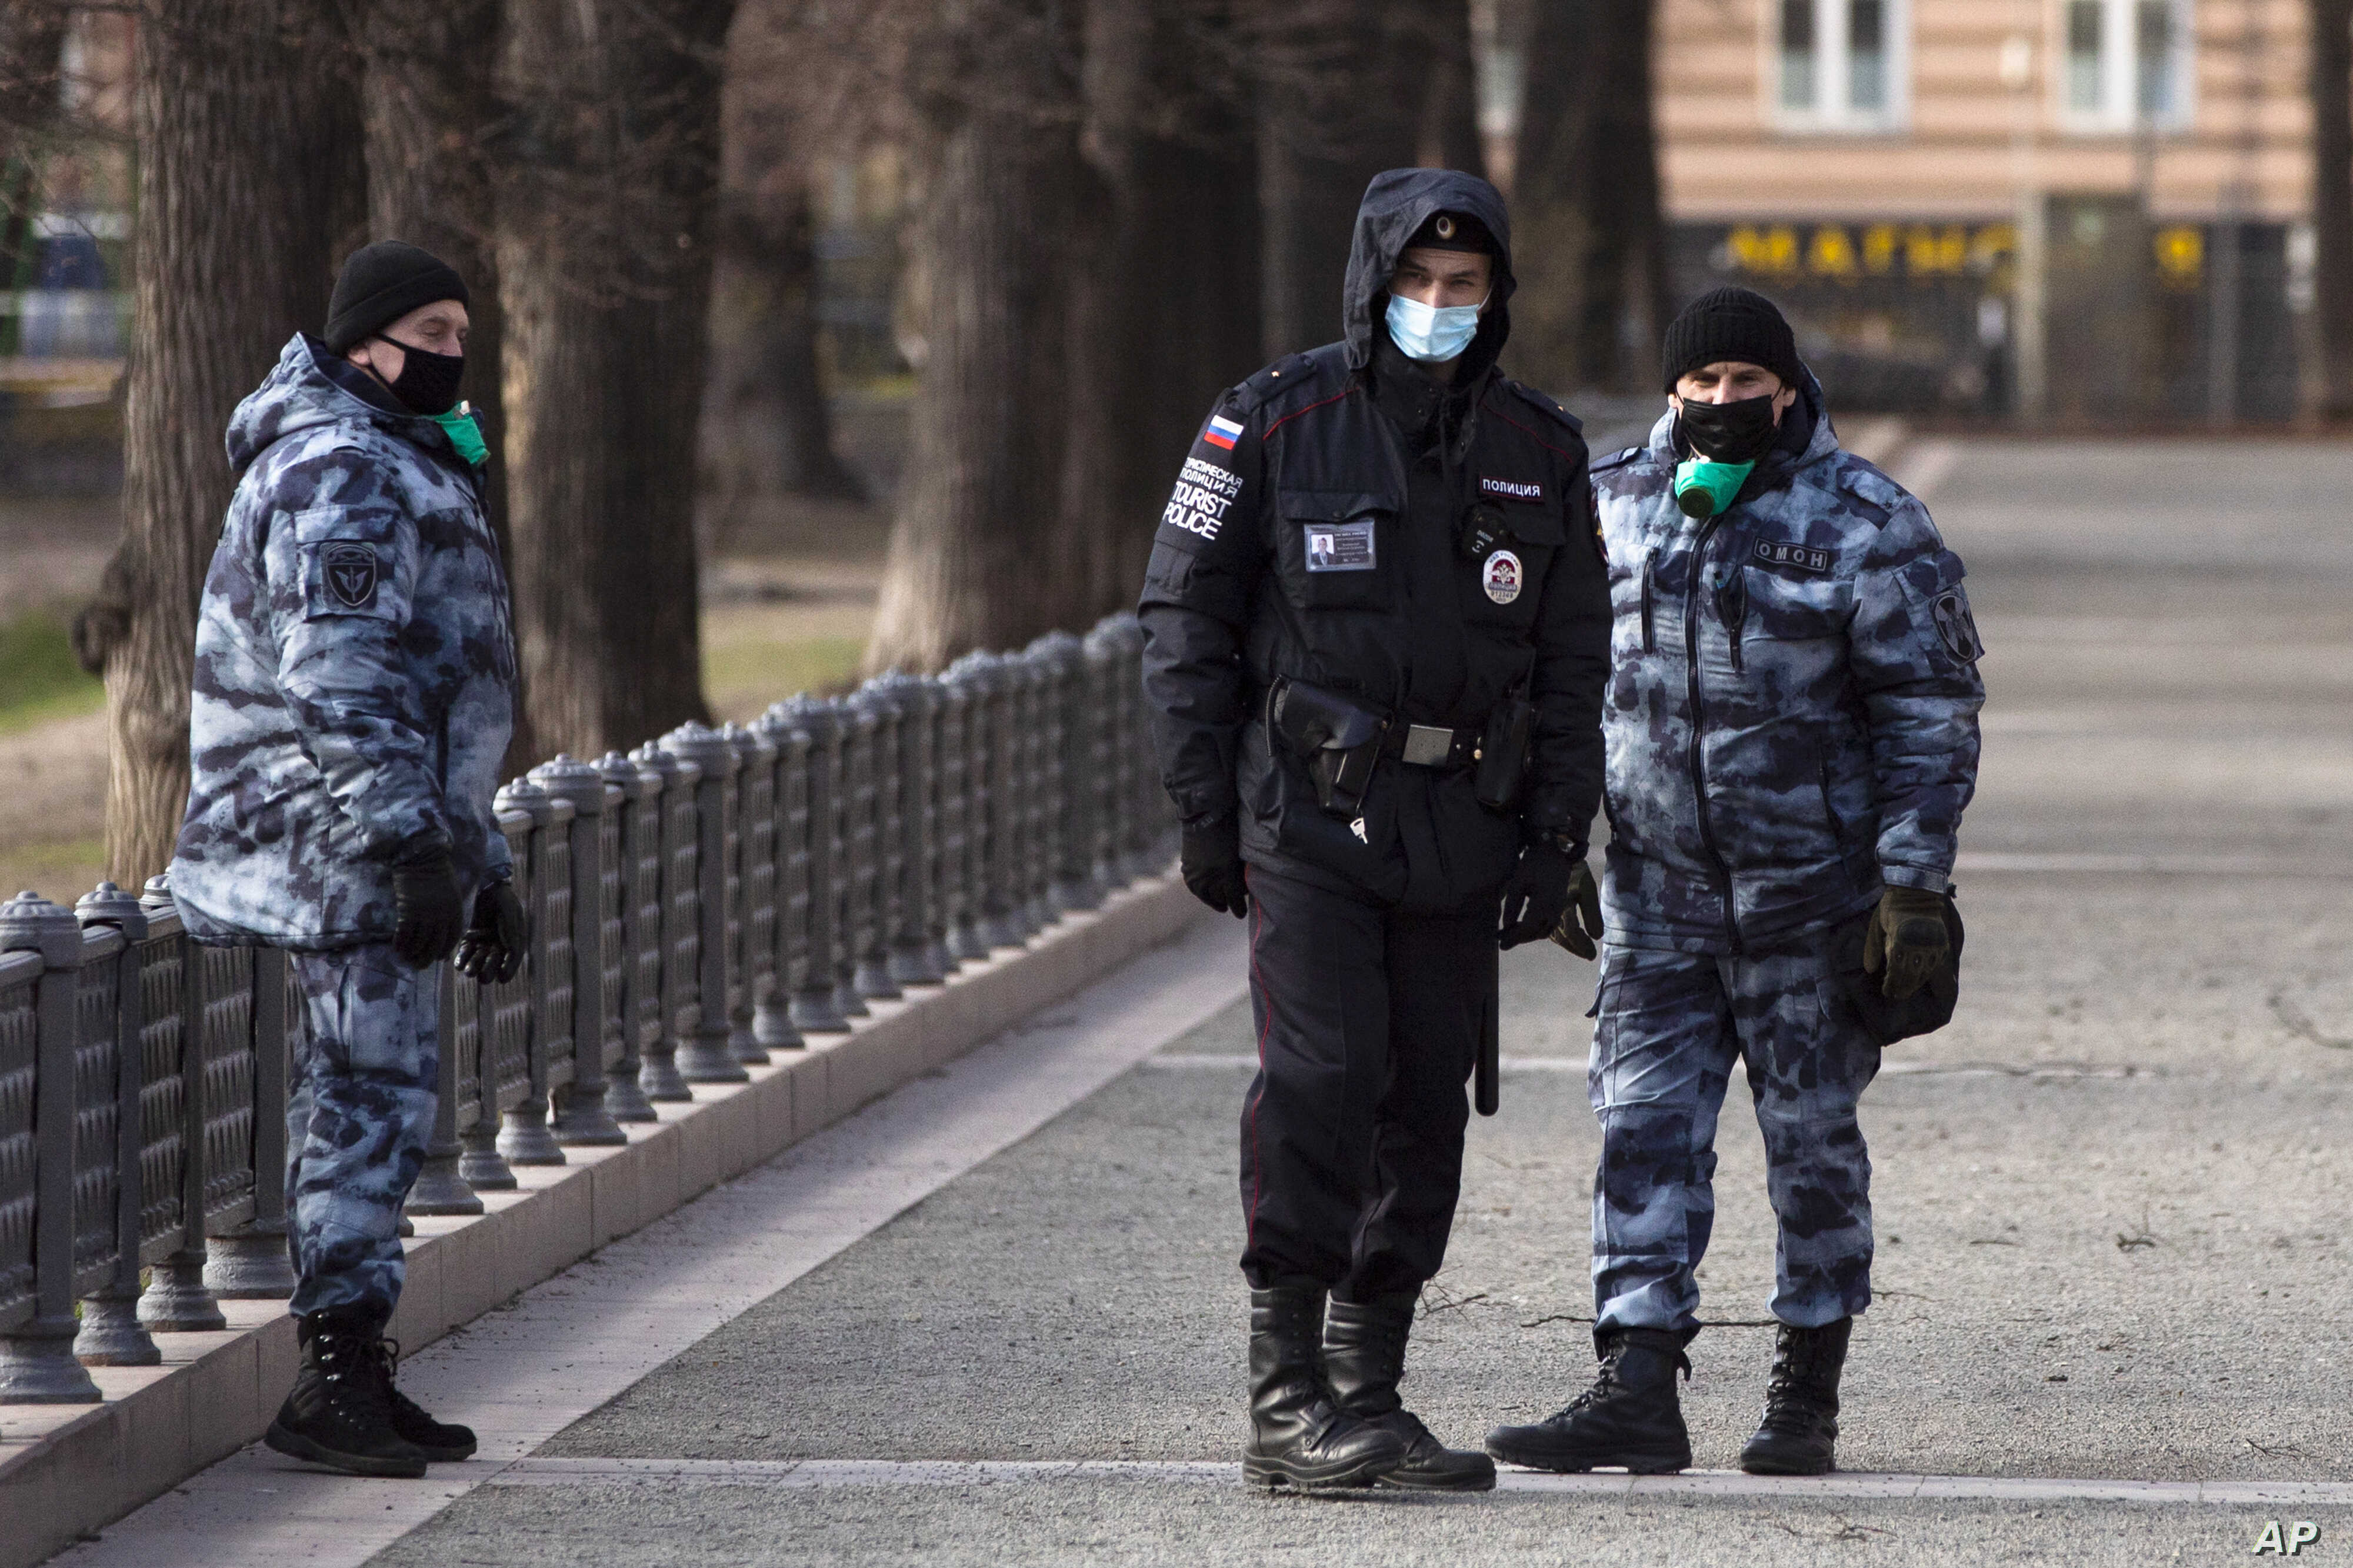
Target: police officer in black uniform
1378,625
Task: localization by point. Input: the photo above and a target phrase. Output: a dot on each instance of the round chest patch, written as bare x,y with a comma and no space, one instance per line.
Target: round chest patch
1501,577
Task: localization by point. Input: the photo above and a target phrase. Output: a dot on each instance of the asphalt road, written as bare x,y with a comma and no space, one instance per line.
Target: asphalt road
2109,1196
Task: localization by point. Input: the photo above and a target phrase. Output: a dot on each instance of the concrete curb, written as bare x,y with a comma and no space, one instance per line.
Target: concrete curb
66,1471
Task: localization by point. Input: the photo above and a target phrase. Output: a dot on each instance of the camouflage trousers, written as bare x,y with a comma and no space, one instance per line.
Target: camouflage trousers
359,1113
1671,1027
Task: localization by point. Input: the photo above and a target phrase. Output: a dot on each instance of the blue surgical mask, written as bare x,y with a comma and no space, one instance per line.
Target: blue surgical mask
1432,333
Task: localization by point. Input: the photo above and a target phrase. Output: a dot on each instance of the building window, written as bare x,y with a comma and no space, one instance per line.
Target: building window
2127,63
1841,64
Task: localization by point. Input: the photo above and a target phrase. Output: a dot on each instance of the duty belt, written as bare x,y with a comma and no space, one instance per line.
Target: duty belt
1432,745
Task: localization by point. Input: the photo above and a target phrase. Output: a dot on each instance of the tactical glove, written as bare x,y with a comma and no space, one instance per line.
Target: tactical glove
428,909
492,948
1579,926
1907,939
1211,860
1537,895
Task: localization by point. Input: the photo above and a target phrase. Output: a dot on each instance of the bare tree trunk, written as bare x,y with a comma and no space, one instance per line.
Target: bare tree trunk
605,208
247,167
32,39
1102,491
766,428
971,560
428,95
1589,241
2332,202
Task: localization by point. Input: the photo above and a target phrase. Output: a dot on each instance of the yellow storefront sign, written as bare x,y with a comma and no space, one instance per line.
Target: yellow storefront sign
1920,252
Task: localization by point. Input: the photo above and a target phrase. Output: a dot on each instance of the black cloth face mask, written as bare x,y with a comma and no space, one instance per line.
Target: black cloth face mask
428,382
1738,432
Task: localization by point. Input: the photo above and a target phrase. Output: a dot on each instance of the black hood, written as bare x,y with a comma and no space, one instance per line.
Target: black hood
1396,204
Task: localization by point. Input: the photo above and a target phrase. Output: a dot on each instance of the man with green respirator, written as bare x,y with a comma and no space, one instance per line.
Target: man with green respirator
353,699
1792,735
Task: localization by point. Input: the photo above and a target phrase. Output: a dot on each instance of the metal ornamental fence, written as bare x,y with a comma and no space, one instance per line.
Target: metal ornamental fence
696,904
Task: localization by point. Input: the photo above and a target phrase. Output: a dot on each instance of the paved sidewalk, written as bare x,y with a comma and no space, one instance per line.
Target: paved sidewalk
2113,1260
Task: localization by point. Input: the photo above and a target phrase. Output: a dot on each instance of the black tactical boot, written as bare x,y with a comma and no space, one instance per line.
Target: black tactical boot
1629,1417
443,1442
1364,1357
1298,1438
1800,1435
337,1414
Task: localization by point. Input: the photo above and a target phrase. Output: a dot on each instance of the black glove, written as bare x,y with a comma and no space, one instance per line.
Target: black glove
428,909
1536,894
1211,860
1582,909
491,951
1907,939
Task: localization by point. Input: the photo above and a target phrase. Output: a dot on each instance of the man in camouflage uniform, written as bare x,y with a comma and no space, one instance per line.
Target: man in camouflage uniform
354,673
1792,735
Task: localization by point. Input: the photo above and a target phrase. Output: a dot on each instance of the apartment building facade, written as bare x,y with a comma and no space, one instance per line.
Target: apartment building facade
2088,211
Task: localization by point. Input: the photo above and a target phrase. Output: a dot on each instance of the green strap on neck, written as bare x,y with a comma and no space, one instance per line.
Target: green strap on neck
1703,488
464,433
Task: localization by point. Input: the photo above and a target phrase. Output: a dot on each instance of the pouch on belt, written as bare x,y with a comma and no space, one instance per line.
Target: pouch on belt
1339,737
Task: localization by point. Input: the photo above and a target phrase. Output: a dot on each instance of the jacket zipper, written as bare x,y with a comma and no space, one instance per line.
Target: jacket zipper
1731,608
1693,760
1650,622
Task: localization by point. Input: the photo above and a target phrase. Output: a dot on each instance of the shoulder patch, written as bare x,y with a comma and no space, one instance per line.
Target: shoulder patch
1550,407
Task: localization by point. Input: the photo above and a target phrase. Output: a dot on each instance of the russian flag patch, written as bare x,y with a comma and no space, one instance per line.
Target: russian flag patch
1222,432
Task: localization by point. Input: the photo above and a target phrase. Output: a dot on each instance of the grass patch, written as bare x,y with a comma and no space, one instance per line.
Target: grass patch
40,676
751,674
61,871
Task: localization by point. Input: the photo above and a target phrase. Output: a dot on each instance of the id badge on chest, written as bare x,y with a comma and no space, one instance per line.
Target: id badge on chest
1340,546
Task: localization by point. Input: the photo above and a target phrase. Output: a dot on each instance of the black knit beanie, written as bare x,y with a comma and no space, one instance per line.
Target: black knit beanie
1731,324
382,282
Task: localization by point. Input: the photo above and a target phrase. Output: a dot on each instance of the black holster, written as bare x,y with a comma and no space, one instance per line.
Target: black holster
1504,751
1339,738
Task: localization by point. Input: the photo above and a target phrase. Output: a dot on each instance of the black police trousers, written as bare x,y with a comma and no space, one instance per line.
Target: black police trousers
1368,1027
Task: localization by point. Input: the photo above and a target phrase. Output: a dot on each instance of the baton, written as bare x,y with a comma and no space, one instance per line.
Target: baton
1487,1087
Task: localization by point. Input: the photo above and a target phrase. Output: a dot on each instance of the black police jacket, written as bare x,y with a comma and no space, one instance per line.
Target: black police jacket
1316,534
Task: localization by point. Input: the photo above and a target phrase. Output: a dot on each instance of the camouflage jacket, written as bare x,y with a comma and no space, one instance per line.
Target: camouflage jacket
1792,716
354,671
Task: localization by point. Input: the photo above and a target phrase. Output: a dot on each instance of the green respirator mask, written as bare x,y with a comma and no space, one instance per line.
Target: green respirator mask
463,433
1704,487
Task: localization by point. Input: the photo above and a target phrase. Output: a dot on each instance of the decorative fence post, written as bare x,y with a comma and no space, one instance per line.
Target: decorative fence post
582,1117
1109,755
1074,737
641,1075
968,681
856,854
702,1054
1034,684
958,941
879,830
624,912
112,1334
786,955
1150,820
670,976
751,888
525,1077
997,802
176,1301
36,1359
815,1008
915,893
248,1261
